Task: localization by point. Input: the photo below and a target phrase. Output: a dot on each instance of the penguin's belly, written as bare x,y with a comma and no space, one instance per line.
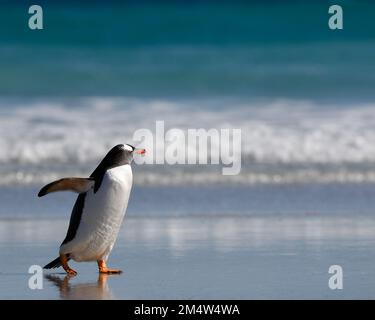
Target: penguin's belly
102,216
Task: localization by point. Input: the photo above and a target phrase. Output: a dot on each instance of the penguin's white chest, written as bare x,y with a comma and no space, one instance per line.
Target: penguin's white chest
102,216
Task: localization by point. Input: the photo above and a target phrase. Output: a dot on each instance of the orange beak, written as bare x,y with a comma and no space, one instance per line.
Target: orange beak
140,151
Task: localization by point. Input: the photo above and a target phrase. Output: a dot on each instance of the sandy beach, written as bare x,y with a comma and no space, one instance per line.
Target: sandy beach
248,256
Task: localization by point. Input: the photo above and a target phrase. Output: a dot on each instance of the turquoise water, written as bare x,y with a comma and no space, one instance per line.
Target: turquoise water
301,93
189,50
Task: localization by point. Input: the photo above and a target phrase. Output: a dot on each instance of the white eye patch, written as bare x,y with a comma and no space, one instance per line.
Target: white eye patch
128,148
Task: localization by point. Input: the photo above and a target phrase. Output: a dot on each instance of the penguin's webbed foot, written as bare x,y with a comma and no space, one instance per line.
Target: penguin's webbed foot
71,272
103,268
64,263
110,271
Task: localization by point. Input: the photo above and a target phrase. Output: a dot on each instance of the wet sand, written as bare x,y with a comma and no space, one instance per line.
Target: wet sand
200,258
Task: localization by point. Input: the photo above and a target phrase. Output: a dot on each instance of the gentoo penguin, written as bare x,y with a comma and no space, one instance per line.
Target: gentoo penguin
98,211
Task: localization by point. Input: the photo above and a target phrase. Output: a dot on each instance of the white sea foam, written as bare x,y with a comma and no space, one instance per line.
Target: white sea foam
39,139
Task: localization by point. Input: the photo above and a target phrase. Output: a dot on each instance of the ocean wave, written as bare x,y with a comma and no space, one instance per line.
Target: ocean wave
38,134
178,177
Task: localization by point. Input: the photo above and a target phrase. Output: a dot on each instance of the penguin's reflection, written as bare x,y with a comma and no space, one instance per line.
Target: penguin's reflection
82,291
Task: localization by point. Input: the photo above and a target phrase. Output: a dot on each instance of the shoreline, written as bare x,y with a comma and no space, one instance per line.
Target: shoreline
186,258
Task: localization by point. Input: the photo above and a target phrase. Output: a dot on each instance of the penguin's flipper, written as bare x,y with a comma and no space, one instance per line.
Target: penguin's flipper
79,185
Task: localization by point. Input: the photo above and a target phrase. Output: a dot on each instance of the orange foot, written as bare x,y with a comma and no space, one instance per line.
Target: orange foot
64,263
103,268
71,272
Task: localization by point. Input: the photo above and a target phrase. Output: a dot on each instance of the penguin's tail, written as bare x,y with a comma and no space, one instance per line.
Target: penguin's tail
54,264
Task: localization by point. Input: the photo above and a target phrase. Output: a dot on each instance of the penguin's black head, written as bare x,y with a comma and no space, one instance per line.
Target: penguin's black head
119,155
